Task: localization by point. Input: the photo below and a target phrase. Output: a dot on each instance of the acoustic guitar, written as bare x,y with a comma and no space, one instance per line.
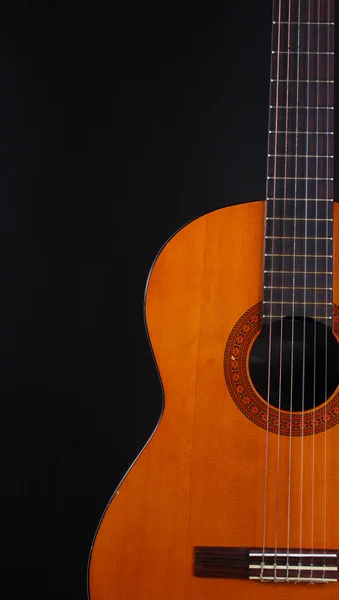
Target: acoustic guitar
236,494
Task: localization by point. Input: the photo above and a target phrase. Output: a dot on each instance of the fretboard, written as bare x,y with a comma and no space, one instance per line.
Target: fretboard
298,265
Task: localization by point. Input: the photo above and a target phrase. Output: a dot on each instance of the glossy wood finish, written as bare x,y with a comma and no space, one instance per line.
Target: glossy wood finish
200,479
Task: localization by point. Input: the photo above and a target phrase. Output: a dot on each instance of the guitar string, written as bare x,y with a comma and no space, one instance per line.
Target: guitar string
285,195
271,275
317,163
305,286
318,149
281,316
328,189
317,76
293,300
324,493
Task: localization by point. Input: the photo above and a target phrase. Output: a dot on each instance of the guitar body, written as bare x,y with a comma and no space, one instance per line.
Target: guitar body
200,479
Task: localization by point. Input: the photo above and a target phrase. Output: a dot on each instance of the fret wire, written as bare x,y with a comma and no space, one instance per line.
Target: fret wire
311,107
284,287
296,52
301,199
296,219
303,178
302,81
302,255
300,272
301,23
300,237
302,132
302,155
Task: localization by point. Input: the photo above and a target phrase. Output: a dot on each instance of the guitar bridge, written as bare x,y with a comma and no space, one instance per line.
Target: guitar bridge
273,566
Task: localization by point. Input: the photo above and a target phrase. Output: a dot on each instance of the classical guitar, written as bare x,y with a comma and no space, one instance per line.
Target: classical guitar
235,496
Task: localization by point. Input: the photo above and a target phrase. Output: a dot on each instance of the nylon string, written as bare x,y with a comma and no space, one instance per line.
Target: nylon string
282,304
305,104
293,301
271,281
305,292
327,267
316,225
313,399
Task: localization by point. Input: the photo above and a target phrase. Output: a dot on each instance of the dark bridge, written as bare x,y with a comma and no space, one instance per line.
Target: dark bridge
268,565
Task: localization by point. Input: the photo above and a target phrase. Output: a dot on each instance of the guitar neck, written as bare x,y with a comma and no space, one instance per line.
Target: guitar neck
299,201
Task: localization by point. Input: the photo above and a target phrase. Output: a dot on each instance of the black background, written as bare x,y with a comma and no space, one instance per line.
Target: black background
118,125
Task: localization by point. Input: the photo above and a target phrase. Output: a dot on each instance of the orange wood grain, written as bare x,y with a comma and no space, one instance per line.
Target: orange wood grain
200,479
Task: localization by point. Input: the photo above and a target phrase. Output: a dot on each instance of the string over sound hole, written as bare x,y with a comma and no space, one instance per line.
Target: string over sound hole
294,363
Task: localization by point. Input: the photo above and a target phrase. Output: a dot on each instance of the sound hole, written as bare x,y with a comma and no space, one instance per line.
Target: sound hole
303,359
